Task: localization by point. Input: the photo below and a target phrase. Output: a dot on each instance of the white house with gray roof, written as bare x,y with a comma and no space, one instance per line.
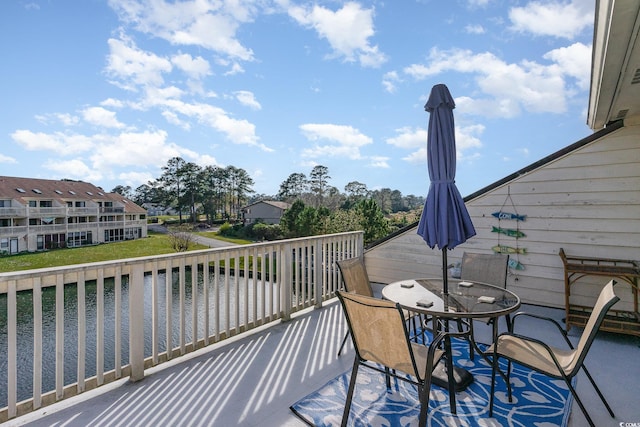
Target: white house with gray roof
40,214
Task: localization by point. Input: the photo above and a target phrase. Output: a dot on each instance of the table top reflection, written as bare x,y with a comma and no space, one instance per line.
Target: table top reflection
465,298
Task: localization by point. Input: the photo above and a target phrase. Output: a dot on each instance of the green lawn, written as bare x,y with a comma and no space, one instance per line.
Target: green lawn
155,244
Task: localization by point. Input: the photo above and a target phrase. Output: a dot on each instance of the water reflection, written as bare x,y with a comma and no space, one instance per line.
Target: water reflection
25,324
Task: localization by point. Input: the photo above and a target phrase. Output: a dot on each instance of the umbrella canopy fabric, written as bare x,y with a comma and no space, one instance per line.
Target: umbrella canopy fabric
445,221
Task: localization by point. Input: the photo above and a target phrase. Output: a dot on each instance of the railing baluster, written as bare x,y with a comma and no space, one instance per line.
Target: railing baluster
12,350
37,342
154,313
82,331
100,328
168,284
194,304
183,297
59,336
117,284
205,292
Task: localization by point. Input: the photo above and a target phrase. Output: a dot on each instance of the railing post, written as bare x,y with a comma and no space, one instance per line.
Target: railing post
286,284
136,322
318,288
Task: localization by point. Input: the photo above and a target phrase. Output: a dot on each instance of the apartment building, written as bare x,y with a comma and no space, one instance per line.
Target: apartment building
40,214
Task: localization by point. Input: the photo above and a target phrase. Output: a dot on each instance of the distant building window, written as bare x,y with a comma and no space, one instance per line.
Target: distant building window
90,193
33,203
46,203
80,204
20,190
35,190
72,192
5,203
58,191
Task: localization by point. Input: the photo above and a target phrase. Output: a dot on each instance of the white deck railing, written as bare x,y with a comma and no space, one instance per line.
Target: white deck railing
237,288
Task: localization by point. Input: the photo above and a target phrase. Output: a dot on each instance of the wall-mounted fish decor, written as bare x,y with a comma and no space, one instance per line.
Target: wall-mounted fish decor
502,249
515,264
509,232
507,215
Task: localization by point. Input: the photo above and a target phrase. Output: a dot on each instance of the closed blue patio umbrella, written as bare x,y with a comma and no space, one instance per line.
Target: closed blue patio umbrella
445,221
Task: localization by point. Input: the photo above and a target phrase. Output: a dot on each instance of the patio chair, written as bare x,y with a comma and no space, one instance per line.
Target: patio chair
381,340
356,280
552,361
486,268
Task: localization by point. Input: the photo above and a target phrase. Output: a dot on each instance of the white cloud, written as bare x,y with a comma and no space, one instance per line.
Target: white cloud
509,88
347,30
74,168
342,140
210,25
7,159
135,178
196,68
553,18
139,149
131,67
101,117
248,98
389,81
409,138
379,162
474,29
58,141
575,61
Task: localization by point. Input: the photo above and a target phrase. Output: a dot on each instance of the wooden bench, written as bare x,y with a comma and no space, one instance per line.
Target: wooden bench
575,268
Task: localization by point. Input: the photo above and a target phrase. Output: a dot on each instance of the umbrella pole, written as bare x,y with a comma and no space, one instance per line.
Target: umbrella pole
445,278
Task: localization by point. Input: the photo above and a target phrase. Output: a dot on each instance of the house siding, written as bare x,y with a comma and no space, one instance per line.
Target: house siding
266,212
586,201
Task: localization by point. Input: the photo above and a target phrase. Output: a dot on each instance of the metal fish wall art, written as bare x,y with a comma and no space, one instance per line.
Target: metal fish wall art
502,249
509,232
507,215
515,264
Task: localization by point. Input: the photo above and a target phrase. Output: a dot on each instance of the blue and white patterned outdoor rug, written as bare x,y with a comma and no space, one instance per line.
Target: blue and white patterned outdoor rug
537,399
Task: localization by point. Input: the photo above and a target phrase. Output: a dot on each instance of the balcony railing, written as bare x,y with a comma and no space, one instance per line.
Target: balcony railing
13,212
179,302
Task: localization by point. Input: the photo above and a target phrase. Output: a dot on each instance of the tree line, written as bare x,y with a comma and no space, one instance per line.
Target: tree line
220,193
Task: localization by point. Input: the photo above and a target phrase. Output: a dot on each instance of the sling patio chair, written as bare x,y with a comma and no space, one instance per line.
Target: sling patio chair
554,362
381,340
356,280
486,268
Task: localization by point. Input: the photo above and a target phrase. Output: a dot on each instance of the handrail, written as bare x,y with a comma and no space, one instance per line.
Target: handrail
235,289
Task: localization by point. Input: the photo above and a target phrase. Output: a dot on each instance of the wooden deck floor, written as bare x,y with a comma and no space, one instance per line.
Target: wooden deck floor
252,379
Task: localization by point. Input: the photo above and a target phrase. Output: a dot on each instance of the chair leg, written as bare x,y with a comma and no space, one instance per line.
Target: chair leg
344,341
593,383
579,402
494,366
352,385
471,340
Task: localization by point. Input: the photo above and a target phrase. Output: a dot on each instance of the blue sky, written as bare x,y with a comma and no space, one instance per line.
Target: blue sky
106,91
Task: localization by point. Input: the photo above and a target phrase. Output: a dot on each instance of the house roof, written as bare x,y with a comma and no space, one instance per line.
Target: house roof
281,205
615,68
25,189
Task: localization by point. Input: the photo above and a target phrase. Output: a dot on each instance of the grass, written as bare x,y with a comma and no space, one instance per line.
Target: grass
154,244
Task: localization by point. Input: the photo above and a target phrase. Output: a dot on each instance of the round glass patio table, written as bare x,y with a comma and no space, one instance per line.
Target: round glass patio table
465,300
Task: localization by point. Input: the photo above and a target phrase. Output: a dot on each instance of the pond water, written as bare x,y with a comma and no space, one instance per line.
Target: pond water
25,327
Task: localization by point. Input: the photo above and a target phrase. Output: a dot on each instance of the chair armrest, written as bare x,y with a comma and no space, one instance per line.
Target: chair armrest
545,318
